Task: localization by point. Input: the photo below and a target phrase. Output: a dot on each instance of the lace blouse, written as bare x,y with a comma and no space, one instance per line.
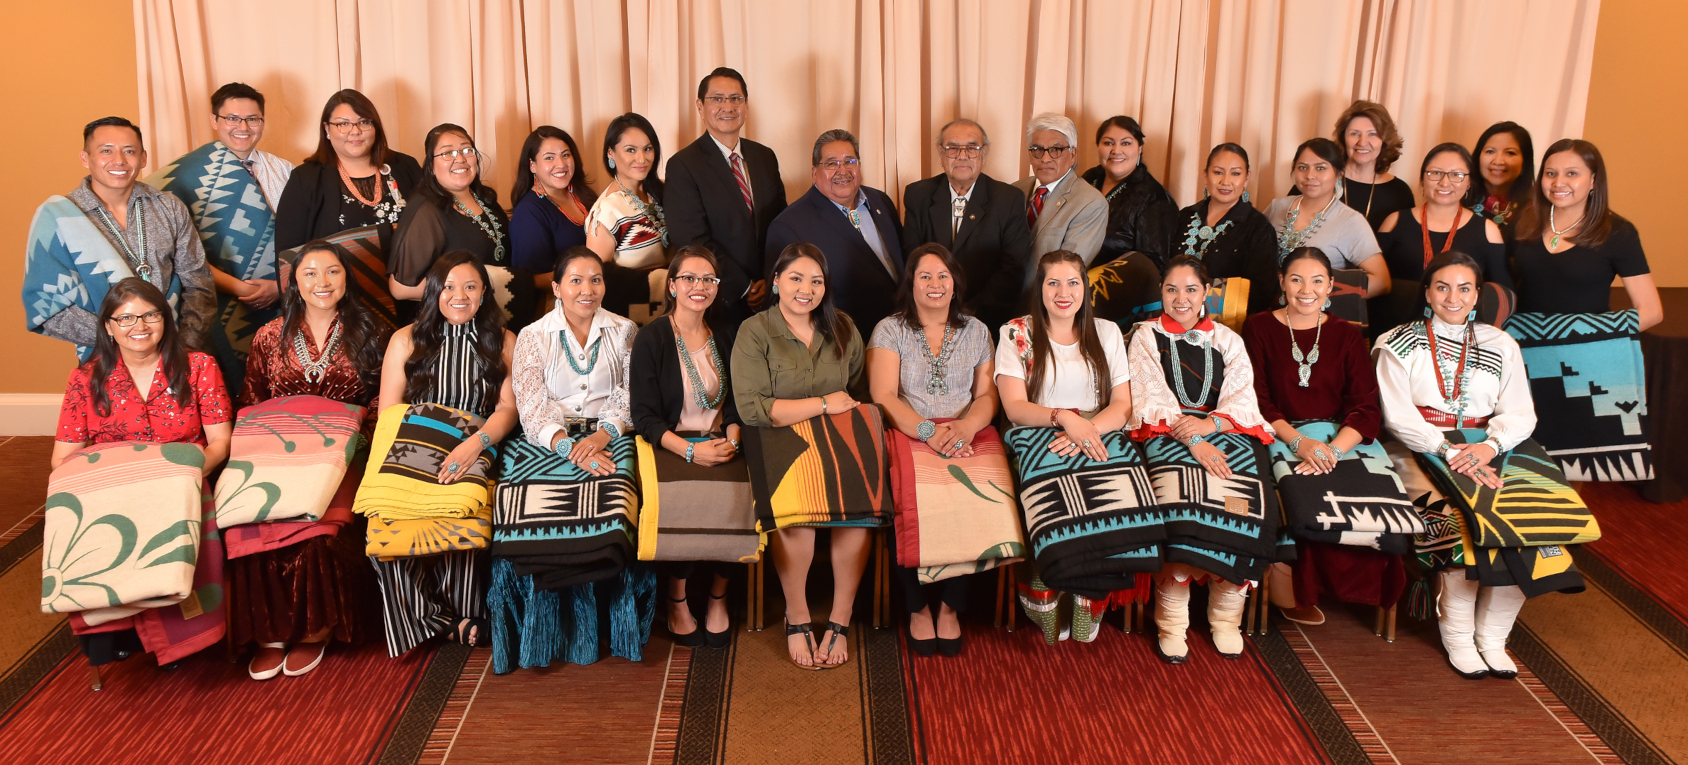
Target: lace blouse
549,390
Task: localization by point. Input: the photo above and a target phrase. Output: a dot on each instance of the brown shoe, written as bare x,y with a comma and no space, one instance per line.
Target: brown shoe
303,658
268,661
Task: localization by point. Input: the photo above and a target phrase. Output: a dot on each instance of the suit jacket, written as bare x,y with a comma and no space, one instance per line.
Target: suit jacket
704,206
1075,217
860,284
654,375
993,245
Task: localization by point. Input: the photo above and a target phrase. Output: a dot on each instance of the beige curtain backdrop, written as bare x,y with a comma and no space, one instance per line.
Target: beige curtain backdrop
1265,73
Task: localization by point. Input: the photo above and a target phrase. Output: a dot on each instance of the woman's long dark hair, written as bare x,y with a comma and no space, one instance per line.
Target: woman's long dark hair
427,335
530,149
1598,217
906,309
363,340
680,256
365,108
612,136
1526,149
431,184
172,354
833,324
1474,193
1084,325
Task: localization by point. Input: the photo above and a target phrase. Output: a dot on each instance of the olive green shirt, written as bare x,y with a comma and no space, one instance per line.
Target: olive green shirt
769,363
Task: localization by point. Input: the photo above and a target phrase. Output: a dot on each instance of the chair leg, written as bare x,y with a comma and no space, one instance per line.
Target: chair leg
94,675
1390,629
1382,615
879,576
1001,577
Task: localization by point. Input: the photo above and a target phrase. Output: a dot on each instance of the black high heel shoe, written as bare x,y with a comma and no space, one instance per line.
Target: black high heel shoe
691,639
922,647
722,639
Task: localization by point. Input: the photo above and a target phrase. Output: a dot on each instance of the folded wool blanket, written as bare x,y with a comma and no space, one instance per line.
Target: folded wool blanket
1093,526
411,444
1224,526
692,512
954,516
825,471
562,525
1360,503
1534,507
253,538
1589,386
368,269
286,459
387,540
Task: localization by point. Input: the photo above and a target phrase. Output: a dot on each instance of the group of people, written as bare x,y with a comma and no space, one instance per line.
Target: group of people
578,353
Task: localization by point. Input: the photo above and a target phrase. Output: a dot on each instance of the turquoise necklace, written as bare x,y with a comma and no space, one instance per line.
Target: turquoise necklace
703,400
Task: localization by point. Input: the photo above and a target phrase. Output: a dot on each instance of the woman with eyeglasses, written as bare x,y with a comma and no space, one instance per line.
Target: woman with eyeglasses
354,179
1442,223
1142,216
626,226
454,211
552,200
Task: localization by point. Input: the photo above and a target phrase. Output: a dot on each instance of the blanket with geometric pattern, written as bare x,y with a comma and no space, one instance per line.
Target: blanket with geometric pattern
1589,385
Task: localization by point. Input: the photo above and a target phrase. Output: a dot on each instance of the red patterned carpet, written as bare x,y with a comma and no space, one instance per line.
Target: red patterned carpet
1643,541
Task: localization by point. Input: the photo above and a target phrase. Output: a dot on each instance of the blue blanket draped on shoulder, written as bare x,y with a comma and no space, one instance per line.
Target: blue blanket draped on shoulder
829,470
69,263
1224,526
1360,503
237,228
1590,389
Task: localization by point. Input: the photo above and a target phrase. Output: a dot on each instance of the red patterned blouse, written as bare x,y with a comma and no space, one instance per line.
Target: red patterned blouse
158,419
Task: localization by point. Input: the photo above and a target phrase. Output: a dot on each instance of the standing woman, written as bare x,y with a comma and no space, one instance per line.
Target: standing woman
552,200
454,211
1411,237
799,359
457,354
354,179
680,404
1506,159
325,344
626,227
1226,233
1224,532
1315,217
1141,214
1368,135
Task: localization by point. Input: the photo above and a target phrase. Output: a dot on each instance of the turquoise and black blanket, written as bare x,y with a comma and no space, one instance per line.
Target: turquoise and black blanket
237,227
1224,526
559,524
69,263
1360,503
1590,391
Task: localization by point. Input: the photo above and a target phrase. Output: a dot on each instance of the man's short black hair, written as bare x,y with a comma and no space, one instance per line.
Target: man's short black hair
235,90
88,130
722,71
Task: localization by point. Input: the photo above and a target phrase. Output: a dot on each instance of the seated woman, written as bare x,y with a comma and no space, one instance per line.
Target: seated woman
680,404
1348,511
1456,396
142,384
800,359
325,344
551,200
1064,379
929,366
456,355
1192,423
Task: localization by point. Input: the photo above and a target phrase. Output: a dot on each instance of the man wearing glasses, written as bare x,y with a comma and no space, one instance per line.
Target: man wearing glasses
723,191
855,227
231,189
981,220
110,227
1064,212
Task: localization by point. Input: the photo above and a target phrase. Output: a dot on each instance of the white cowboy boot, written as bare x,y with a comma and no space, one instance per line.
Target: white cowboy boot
1172,617
1456,605
1497,609
1225,615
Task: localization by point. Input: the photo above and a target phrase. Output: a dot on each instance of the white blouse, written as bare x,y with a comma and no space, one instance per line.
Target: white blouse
1496,386
1070,384
547,387
1152,399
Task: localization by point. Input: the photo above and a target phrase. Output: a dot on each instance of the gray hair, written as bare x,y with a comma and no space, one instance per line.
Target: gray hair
967,122
1056,122
830,136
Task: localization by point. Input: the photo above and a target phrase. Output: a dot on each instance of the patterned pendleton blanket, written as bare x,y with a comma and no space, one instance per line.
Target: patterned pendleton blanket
68,262
1092,525
237,228
825,471
410,446
1224,526
561,525
387,540
286,459
1590,391
1360,503
954,516
368,270
254,538
691,512
1534,506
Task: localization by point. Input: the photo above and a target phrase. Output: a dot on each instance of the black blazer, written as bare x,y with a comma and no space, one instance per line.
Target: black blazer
861,287
655,378
704,206
994,244
310,204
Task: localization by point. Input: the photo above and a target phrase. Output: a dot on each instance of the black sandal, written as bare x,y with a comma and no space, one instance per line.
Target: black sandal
717,640
838,631
465,626
808,639
691,639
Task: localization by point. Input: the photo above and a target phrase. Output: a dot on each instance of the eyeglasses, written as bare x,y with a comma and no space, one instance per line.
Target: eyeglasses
1037,152
455,153
345,126
1452,175
129,319
724,100
953,152
836,164
234,121
696,281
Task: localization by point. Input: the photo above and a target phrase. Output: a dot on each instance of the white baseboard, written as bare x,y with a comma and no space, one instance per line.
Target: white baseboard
29,414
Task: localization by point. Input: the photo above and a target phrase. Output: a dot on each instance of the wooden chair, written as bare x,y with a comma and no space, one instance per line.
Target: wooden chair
756,586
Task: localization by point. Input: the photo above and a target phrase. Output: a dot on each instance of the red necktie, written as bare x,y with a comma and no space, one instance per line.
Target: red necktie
743,185
1036,208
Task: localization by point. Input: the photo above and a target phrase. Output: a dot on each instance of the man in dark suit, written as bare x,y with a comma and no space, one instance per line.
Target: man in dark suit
980,219
722,192
855,227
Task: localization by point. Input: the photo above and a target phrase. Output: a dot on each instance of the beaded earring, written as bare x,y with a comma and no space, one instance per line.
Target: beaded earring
775,289
1245,196
1473,315
1327,305
1281,300
1427,312
612,163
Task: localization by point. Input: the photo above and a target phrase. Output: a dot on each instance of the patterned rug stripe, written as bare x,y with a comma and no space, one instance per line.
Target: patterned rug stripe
444,734
1556,706
666,736
1349,739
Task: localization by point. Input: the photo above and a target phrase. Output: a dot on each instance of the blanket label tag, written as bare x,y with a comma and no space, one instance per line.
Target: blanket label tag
190,605
1236,505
